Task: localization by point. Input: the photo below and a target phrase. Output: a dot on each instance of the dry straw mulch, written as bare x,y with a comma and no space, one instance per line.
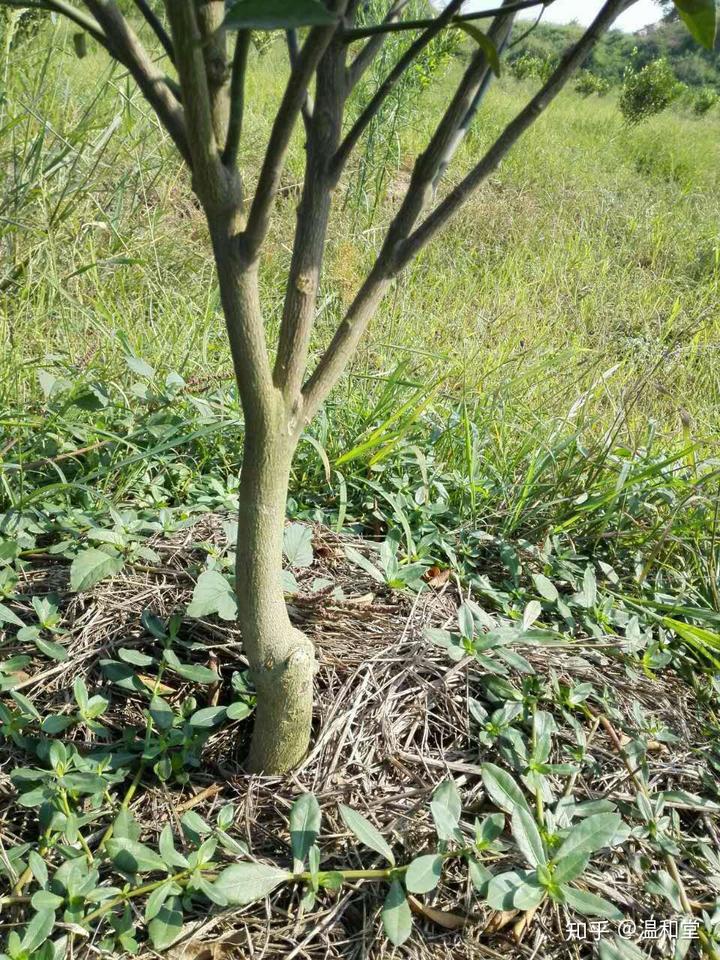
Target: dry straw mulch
391,722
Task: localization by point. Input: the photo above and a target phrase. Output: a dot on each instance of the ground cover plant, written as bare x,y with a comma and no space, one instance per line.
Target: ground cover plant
525,640
202,110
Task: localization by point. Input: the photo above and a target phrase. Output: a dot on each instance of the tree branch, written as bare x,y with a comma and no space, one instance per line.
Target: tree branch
285,119
156,26
393,255
126,47
358,33
392,79
202,145
373,46
573,59
312,222
429,163
293,46
345,341
237,98
210,16
499,34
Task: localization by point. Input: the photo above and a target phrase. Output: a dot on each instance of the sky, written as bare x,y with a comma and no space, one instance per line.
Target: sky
563,11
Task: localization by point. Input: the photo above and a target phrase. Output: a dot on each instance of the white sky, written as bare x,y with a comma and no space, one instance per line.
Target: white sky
563,11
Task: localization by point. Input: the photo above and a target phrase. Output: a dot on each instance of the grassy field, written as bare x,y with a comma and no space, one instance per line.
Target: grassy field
532,423
593,252
556,350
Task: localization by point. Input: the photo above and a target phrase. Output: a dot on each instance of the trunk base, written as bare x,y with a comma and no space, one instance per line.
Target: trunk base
283,716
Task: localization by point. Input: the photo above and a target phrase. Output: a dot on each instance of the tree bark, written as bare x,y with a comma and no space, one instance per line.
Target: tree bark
282,658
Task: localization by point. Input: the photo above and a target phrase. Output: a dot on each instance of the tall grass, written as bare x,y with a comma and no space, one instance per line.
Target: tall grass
551,366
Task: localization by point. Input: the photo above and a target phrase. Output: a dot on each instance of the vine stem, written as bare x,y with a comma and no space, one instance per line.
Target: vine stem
180,878
135,783
183,876
383,873
708,949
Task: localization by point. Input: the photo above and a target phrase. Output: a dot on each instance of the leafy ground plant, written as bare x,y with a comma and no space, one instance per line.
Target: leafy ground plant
527,825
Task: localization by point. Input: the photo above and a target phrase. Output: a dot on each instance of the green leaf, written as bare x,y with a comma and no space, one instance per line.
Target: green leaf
133,857
396,915
480,876
546,588
162,713
531,613
80,692
244,883
25,704
700,19
154,625
527,836
359,560
445,808
423,874
570,867
135,657
662,884
450,642
297,545
508,891
208,717
194,827
125,825
7,616
587,597
51,649
702,641
590,835
189,671
156,899
502,789
277,14
366,832
38,930
304,827
44,900
168,852
166,927
213,894
590,905
466,621
238,710
91,566
38,867
140,367
529,895
484,42
488,829
213,594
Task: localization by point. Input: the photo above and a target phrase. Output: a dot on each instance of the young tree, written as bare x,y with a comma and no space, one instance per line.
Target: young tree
201,107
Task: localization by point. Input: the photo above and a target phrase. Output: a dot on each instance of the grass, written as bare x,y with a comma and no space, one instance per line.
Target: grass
536,404
567,322
592,247
550,368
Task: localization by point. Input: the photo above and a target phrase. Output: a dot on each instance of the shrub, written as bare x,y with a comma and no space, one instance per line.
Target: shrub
704,100
528,67
588,83
648,91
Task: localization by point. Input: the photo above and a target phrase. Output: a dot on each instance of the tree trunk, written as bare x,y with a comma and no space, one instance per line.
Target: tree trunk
282,658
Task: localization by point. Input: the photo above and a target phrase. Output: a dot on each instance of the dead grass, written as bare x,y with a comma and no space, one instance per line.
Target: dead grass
391,722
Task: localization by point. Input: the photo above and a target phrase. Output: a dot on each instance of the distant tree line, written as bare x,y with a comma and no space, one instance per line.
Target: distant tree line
668,40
